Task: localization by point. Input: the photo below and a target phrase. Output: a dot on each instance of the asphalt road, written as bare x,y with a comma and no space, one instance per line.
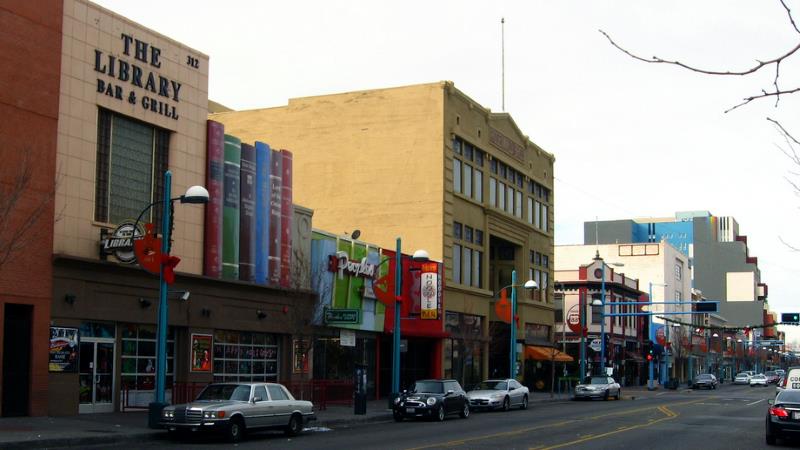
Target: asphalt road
731,417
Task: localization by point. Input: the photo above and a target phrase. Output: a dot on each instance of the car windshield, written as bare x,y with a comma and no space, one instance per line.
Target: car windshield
760,377
598,380
218,392
429,387
742,375
704,376
492,385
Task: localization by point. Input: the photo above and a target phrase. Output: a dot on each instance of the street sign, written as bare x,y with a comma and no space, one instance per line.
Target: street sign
342,315
595,345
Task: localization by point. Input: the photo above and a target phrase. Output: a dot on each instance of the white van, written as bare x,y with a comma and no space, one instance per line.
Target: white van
792,378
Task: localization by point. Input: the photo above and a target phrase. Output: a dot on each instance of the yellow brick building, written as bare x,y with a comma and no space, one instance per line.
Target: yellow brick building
430,165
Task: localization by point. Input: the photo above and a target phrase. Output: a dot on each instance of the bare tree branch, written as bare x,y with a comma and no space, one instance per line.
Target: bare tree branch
791,19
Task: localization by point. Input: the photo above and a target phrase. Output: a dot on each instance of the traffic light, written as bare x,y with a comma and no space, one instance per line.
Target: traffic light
705,307
648,350
790,318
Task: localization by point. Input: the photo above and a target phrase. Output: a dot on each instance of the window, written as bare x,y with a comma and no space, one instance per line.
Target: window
245,356
457,264
545,261
131,159
492,192
478,158
501,196
468,148
478,186
457,146
468,234
456,176
466,273
530,210
678,296
478,237
537,258
276,392
537,222
477,265
260,392
493,166
544,218
457,227
678,271
518,204
139,356
509,199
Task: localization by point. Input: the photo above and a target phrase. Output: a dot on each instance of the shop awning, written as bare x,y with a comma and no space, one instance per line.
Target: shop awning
546,354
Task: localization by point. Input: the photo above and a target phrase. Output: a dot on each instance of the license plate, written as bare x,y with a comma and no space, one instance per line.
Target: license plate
795,385
796,415
410,410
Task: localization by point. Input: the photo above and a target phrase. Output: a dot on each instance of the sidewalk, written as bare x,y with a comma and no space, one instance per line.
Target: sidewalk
114,428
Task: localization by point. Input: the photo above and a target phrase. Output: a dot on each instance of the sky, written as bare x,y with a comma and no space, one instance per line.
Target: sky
630,139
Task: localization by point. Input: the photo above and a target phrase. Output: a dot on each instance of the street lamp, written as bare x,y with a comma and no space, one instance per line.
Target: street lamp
420,256
194,195
603,308
530,284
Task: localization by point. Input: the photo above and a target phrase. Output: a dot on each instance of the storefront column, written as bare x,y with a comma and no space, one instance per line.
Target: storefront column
436,359
485,348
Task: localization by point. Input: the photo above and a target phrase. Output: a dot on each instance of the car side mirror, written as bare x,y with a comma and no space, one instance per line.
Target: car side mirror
770,402
450,391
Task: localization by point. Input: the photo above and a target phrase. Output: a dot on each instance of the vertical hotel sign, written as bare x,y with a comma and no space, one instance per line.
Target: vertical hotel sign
429,291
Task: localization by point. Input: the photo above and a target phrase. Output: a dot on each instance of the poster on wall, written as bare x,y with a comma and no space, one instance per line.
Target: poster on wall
200,353
299,356
429,291
63,349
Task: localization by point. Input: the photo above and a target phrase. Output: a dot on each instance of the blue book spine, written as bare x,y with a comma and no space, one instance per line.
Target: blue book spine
262,210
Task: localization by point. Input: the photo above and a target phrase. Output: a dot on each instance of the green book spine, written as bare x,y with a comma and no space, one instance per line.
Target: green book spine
230,209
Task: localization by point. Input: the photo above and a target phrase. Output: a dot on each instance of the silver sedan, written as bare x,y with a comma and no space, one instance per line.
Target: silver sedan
599,386
494,394
233,408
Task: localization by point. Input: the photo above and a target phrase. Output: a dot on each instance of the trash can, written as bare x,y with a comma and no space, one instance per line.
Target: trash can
360,390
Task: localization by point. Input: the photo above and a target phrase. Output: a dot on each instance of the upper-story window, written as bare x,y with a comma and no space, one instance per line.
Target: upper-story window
678,270
467,170
131,159
467,255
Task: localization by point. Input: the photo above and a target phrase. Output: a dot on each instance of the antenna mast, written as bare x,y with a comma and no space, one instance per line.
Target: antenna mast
503,62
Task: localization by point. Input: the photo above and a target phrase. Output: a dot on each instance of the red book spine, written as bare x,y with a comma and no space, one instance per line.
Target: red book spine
212,254
286,218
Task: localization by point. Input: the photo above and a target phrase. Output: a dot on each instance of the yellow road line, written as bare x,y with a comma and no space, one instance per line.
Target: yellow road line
669,415
495,435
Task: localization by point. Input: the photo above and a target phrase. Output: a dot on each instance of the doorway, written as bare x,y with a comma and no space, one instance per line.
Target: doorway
17,326
96,375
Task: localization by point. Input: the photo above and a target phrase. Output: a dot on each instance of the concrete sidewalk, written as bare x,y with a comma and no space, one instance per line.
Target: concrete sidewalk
116,428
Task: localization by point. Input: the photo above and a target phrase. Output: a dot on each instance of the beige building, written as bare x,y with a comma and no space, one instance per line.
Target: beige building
428,164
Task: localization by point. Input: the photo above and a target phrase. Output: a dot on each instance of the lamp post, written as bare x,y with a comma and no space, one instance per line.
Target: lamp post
421,256
603,309
194,195
530,284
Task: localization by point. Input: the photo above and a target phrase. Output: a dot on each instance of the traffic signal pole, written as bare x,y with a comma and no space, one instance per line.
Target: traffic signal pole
651,337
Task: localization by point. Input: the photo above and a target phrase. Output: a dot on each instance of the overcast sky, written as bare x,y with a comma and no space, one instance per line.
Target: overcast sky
630,139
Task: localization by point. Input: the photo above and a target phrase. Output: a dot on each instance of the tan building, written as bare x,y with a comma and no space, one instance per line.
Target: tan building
430,165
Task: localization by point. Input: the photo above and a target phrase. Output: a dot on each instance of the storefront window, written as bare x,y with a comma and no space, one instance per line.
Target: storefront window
244,356
139,356
463,353
332,361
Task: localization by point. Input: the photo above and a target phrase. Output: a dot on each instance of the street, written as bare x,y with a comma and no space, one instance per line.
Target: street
731,417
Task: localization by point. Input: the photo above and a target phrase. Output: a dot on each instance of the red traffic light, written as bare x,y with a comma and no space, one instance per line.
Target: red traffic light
649,357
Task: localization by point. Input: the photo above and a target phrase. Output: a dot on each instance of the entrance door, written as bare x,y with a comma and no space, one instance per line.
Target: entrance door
96,375
17,326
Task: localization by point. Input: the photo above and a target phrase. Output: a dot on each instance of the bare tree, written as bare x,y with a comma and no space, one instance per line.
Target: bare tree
21,207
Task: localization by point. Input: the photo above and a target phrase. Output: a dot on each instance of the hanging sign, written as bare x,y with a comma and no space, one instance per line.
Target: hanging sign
574,321
429,292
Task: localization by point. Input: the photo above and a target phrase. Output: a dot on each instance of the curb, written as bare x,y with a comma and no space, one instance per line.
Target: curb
81,441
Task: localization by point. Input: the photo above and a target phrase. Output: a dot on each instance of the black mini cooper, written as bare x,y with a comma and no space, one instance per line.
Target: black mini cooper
432,399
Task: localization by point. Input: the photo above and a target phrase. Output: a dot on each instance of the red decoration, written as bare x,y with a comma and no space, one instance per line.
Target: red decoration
169,263
148,250
503,308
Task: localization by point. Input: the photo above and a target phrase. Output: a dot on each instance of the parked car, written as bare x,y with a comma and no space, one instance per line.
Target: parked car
599,386
742,378
780,372
431,399
783,416
493,394
780,386
759,380
772,376
233,408
705,380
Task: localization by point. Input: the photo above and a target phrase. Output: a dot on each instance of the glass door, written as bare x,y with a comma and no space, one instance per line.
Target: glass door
96,375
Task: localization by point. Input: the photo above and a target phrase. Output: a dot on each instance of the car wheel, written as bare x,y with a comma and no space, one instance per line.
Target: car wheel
440,414
235,430
465,412
397,416
506,404
605,397
524,403
619,394
295,426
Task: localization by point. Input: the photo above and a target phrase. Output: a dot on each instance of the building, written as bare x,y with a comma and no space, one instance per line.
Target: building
661,271
132,103
30,48
719,262
428,164
579,309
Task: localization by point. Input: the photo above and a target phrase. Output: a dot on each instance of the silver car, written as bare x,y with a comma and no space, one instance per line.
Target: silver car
599,386
493,394
233,408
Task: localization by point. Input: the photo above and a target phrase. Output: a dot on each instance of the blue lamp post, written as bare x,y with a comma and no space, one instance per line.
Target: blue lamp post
530,284
420,256
196,195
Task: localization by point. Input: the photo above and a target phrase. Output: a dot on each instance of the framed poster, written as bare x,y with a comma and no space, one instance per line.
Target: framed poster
63,349
200,352
299,356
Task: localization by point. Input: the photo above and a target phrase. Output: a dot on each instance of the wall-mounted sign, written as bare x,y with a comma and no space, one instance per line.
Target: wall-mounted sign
505,144
347,338
63,349
429,292
342,316
120,241
201,353
340,262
